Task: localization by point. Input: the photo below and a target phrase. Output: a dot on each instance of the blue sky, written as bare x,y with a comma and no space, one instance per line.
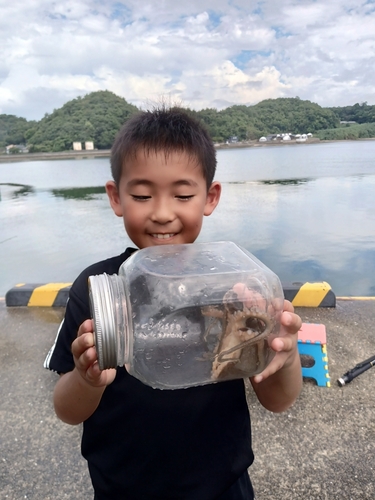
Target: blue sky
200,53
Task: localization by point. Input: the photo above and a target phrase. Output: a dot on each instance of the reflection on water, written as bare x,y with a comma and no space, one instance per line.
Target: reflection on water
287,182
282,182
307,213
7,239
84,193
16,190
13,190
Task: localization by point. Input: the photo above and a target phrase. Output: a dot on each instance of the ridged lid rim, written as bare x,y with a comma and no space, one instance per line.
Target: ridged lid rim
102,309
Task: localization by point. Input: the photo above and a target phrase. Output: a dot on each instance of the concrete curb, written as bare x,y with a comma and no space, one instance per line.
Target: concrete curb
38,295
56,295
310,294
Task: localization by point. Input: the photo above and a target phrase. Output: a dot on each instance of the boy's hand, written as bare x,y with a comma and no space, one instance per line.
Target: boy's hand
86,358
285,345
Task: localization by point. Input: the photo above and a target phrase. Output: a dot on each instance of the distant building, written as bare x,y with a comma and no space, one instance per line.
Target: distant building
301,138
263,139
18,148
89,145
77,146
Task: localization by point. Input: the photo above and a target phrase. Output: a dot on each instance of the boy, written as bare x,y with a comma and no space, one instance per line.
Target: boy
143,443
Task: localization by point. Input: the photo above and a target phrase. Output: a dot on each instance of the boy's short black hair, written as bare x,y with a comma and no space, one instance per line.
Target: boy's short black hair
167,130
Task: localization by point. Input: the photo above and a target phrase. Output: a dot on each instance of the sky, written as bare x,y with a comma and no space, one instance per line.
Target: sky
198,53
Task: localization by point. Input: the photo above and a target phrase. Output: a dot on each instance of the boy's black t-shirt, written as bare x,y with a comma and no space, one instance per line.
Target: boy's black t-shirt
144,443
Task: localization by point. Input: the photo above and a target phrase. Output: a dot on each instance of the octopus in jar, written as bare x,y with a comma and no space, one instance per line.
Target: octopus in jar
246,324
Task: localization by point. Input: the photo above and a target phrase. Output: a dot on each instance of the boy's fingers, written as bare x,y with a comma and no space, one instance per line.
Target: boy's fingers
249,297
283,344
87,326
83,342
290,321
87,358
288,306
277,363
272,368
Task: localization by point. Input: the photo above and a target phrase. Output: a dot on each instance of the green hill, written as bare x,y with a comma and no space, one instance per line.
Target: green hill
271,116
13,129
350,133
99,115
96,117
360,113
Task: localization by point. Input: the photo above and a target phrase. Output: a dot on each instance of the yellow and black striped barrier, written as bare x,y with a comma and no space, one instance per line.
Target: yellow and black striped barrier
310,294
38,295
56,295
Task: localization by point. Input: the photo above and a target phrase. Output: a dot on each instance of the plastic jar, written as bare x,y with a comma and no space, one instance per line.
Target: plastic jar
184,315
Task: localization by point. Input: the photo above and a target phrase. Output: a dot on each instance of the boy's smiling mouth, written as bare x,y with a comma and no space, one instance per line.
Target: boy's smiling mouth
163,236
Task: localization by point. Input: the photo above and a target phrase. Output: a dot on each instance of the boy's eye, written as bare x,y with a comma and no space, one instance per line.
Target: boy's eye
185,197
140,198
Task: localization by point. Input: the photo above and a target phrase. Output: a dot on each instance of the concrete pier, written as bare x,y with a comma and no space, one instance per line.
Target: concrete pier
322,448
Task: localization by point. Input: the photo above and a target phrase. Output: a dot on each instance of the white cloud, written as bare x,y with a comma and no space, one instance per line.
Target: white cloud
208,54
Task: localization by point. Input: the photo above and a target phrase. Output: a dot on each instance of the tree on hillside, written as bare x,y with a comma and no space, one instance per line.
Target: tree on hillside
360,113
96,117
294,115
353,132
13,130
271,116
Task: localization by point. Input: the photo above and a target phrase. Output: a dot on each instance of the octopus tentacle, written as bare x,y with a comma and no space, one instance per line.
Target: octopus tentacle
253,314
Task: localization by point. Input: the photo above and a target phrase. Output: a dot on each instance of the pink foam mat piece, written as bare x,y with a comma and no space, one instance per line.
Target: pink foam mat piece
312,332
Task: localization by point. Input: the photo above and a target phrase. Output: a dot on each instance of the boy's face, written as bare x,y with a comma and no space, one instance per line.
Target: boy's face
162,199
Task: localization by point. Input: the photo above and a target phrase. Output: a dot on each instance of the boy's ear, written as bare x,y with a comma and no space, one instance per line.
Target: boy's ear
114,197
213,197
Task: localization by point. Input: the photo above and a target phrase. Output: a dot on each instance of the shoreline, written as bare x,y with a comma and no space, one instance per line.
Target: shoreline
106,153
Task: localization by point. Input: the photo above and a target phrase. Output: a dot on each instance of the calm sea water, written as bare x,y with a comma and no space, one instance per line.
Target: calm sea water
306,211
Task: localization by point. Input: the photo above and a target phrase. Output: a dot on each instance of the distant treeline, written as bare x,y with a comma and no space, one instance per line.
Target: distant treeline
351,132
99,115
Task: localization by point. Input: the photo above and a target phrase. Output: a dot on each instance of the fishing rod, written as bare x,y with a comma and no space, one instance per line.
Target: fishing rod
357,370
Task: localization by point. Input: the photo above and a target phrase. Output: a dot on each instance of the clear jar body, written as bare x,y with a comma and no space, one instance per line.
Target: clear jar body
184,315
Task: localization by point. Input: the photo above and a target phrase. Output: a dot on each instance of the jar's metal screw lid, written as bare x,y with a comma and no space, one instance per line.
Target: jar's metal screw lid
102,310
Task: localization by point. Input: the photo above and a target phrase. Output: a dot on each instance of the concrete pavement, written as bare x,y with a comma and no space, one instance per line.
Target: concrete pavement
322,448
40,456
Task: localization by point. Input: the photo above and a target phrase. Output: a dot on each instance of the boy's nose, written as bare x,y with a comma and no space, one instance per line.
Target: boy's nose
162,213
